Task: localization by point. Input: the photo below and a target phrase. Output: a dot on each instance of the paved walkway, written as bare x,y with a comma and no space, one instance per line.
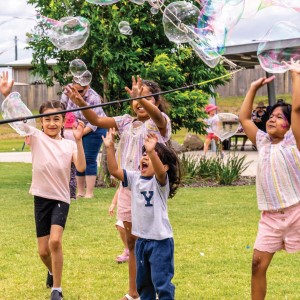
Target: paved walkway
250,156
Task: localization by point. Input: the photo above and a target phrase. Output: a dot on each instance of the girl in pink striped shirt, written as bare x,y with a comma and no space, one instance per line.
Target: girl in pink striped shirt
277,180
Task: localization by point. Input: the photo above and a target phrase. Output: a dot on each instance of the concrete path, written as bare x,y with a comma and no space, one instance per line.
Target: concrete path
251,156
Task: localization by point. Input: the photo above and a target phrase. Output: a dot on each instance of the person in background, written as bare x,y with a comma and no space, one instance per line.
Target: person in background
211,110
260,116
92,139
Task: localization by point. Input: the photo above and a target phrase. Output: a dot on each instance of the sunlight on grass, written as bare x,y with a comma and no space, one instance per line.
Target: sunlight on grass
214,232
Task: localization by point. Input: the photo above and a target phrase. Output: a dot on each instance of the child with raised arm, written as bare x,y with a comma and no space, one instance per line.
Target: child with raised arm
277,180
157,179
149,118
52,156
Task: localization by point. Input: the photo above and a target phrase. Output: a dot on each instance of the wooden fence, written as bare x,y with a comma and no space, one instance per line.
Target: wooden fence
34,94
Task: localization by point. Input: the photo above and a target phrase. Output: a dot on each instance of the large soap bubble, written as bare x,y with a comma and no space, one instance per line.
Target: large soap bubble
224,125
13,107
179,20
77,67
124,28
280,46
211,62
138,2
84,79
70,34
102,2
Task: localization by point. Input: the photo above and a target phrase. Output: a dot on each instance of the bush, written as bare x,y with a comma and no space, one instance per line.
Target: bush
224,171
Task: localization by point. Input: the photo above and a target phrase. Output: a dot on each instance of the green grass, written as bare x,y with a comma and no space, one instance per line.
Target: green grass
220,223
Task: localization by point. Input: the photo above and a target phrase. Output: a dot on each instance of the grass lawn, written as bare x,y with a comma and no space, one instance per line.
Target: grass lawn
214,231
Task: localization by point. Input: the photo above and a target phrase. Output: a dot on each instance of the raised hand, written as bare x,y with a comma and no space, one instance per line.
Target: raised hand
78,130
5,85
294,65
109,139
137,87
150,142
262,81
74,95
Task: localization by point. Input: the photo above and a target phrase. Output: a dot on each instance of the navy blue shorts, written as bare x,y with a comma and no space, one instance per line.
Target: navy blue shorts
49,212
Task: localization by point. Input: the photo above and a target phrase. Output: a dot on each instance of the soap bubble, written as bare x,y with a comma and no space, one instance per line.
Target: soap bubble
70,34
77,67
156,3
84,79
13,107
125,28
138,2
224,125
179,20
154,10
102,2
280,45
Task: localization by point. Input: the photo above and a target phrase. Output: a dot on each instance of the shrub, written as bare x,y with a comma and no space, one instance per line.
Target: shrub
224,171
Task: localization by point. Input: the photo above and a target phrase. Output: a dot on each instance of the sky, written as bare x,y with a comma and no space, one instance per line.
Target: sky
245,31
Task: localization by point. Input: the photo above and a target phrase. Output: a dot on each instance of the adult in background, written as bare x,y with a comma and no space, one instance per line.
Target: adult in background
92,139
260,116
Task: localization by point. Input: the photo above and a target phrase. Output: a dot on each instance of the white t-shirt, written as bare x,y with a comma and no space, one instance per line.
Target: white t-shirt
148,206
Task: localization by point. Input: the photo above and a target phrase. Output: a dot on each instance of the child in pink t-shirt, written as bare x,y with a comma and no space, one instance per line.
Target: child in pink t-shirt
149,118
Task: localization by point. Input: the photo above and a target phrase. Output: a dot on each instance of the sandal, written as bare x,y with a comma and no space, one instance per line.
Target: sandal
124,257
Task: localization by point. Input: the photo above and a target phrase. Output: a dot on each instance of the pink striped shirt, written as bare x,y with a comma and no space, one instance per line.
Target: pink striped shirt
278,172
132,135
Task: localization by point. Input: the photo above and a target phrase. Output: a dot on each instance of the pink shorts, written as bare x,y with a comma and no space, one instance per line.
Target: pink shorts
211,136
124,205
279,230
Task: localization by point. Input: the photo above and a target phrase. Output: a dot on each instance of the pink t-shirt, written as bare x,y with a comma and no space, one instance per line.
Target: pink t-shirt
51,165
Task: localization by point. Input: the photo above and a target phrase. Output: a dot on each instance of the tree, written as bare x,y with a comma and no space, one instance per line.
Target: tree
113,58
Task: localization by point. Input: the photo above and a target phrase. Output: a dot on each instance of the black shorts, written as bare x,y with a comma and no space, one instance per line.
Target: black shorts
49,212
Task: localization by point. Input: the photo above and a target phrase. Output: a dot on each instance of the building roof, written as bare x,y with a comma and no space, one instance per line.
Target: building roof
26,63
245,55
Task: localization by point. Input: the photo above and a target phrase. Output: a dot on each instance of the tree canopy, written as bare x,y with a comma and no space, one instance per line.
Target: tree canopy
113,58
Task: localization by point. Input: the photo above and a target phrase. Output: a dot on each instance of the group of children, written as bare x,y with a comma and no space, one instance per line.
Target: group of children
149,175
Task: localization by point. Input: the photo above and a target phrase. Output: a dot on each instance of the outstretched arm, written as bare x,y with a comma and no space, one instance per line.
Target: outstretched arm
295,118
112,165
5,85
159,169
79,157
90,115
151,109
246,108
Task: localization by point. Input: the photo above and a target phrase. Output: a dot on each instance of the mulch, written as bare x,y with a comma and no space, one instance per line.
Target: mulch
243,180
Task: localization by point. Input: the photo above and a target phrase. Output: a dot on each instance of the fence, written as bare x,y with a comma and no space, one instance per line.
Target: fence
34,94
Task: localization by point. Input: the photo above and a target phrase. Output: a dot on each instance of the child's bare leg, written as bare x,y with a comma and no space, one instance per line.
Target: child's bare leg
123,236
131,262
55,245
44,251
260,264
206,145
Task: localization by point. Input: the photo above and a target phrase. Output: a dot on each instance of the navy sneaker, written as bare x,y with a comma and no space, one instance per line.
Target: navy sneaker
56,295
49,281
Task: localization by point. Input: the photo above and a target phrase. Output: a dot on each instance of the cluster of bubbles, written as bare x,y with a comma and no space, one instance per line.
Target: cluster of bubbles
13,107
81,74
207,30
224,125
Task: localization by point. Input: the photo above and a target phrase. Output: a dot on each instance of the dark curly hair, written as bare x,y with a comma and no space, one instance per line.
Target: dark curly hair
53,104
169,157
